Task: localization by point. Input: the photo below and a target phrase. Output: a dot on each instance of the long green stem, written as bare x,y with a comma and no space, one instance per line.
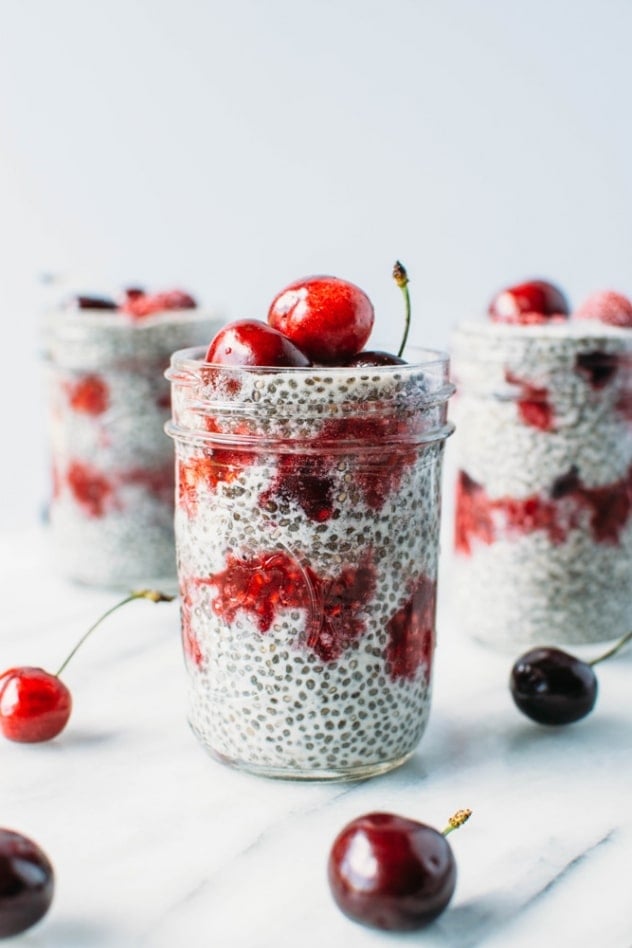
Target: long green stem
613,651
459,818
152,594
401,278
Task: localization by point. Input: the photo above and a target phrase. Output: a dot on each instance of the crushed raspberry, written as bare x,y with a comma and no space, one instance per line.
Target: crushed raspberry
260,585
597,367
89,395
139,304
473,514
221,466
343,599
411,631
157,481
89,488
533,405
481,518
265,583
610,507
607,307
379,474
303,479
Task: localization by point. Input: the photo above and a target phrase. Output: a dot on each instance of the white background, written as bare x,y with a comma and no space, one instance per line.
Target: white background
233,146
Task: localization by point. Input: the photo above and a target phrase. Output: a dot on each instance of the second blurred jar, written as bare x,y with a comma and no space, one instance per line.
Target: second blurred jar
112,503
543,518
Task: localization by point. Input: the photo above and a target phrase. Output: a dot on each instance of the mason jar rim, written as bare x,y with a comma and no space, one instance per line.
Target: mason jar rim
192,358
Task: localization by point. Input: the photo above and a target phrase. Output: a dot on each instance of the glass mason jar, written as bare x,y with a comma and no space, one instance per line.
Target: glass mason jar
307,522
112,503
543,513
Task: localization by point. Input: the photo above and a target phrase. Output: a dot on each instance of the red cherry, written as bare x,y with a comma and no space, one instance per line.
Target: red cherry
94,302
375,357
391,872
34,705
27,883
328,318
608,307
251,342
140,304
537,301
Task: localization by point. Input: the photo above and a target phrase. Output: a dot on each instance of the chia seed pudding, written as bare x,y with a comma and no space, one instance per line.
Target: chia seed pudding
112,504
307,519
543,518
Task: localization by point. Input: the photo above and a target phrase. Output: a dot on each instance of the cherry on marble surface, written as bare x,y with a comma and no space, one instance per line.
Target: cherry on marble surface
27,883
553,687
391,872
35,705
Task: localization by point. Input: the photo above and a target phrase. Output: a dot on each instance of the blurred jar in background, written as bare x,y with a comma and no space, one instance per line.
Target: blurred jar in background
112,497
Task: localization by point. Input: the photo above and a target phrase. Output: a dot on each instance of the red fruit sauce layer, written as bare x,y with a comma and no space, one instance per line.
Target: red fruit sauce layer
411,631
478,517
263,584
533,403
305,479
96,493
89,395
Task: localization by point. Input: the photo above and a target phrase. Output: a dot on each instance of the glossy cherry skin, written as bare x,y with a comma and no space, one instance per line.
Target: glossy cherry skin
27,883
34,705
374,357
536,301
390,872
251,342
552,687
139,304
329,319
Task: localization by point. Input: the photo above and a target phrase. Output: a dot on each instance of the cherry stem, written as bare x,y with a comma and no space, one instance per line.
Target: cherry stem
152,594
401,278
458,819
613,651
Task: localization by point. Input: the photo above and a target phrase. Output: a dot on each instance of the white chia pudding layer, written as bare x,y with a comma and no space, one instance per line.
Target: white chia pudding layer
307,523
543,517
112,504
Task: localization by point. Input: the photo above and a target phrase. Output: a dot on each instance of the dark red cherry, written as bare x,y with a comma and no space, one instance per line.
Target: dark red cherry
34,705
552,687
374,357
329,319
536,301
251,342
26,883
391,872
94,302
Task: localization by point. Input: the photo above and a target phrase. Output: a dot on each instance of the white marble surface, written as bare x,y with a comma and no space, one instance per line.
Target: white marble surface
156,845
